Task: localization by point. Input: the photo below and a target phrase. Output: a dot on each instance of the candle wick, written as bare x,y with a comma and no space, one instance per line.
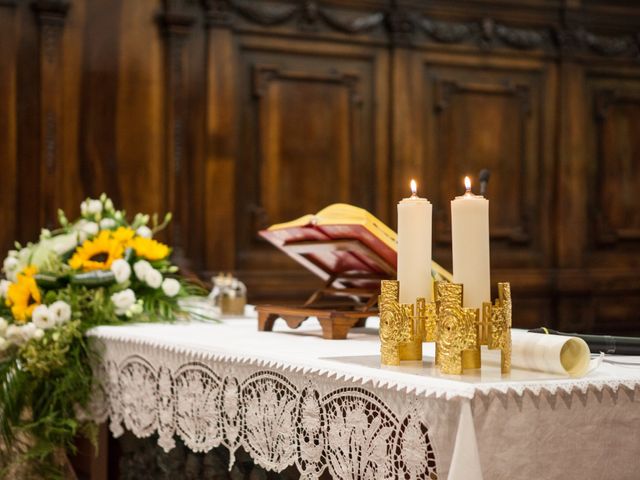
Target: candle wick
414,195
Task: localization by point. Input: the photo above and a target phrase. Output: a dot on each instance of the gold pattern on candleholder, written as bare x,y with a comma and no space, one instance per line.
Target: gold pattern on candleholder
457,328
430,321
497,321
457,331
396,323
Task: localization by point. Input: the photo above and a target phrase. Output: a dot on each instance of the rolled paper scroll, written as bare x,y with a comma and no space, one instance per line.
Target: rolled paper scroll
550,353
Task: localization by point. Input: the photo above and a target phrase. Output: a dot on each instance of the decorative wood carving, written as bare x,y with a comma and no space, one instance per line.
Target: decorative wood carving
448,32
309,15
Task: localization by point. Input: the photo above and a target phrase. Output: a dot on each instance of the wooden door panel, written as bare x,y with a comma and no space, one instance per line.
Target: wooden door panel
308,139
614,204
490,117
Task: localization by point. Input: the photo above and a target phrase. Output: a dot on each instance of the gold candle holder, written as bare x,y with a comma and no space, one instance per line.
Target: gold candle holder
457,331
401,331
497,325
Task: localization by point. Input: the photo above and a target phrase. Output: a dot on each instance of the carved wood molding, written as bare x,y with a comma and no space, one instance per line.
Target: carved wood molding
606,234
264,74
404,26
308,15
444,89
443,92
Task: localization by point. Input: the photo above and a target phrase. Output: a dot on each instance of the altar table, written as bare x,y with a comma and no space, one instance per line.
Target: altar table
291,397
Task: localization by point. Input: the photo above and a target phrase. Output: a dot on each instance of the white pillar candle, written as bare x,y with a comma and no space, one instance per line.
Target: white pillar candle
414,247
470,245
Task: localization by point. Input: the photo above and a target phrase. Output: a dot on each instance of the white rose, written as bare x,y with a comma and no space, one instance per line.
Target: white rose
107,223
123,300
153,278
121,270
60,311
144,231
4,288
94,207
38,334
10,265
170,287
28,331
43,318
90,228
141,267
13,333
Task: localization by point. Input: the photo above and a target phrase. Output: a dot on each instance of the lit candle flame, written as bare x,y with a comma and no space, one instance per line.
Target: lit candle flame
414,188
467,184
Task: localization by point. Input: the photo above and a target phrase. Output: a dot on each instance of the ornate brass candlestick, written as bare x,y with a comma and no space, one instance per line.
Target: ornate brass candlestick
457,331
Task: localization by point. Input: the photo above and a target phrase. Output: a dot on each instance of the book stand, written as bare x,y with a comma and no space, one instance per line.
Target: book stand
361,287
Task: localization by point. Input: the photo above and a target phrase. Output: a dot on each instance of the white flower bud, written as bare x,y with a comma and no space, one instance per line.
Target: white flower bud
10,264
60,311
38,334
153,278
121,270
43,318
141,267
3,344
108,205
94,207
107,223
144,231
4,288
27,331
83,208
170,287
90,228
123,300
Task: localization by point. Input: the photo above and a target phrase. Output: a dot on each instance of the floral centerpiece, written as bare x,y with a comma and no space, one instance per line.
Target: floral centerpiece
98,270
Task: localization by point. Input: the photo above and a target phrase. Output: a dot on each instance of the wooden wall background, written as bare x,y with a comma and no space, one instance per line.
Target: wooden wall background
236,114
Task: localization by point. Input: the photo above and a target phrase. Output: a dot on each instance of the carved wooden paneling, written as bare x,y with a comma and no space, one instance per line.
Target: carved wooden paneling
309,137
240,113
617,168
489,118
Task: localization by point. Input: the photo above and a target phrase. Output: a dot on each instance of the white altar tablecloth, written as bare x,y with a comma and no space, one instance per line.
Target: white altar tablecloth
291,397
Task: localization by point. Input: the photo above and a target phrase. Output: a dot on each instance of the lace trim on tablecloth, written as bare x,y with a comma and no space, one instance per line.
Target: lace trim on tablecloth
625,378
349,431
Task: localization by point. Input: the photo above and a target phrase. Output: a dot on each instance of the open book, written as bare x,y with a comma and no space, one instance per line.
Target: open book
343,242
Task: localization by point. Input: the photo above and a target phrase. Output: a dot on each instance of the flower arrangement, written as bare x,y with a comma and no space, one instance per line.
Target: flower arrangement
98,270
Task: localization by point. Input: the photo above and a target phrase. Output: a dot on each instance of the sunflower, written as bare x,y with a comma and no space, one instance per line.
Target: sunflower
23,296
123,234
97,254
148,248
